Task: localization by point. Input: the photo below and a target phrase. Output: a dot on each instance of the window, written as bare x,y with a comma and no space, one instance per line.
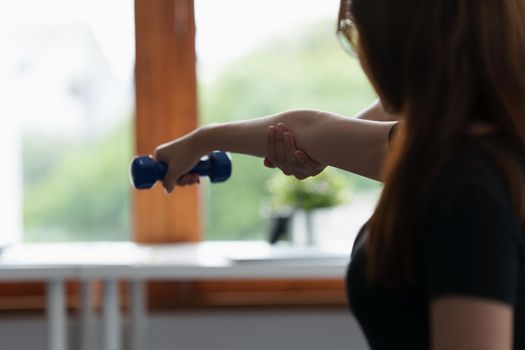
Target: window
67,73
259,58
67,84
67,135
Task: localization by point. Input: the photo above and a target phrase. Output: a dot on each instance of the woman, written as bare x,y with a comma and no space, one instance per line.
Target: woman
440,264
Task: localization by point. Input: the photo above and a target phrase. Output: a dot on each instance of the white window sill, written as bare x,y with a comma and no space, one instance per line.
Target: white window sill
206,260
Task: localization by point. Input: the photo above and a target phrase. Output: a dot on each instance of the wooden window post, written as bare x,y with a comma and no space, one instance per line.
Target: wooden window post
166,108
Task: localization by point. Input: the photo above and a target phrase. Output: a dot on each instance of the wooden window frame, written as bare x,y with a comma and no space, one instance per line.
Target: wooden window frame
166,108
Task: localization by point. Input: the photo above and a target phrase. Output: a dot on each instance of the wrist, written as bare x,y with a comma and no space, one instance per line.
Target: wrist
200,140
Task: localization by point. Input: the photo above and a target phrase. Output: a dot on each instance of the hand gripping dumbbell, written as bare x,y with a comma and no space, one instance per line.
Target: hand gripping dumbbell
145,171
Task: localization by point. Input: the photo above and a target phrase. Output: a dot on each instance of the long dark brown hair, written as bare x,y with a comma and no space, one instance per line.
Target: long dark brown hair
443,64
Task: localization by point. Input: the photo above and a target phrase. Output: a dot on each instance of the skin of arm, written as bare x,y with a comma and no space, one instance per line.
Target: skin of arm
282,152
356,144
466,323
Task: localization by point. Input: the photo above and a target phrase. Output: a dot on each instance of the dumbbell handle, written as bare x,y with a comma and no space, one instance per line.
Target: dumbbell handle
145,171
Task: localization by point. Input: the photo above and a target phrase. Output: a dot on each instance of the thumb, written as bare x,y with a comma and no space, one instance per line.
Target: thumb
268,163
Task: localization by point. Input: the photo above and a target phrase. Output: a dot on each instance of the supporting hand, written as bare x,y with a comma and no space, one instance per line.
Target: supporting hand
282,153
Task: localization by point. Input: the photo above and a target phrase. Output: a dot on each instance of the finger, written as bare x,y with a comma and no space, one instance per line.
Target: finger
289,145
168,188
272,134
268,163
301,171
195,179
306,161
292,139
288,153
187,182
279,145
169,181
183,180
188,179
285,162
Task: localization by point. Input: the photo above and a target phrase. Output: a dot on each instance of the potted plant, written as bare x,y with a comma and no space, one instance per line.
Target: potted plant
304,198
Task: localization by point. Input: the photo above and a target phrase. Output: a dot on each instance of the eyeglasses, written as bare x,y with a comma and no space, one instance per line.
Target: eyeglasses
346,31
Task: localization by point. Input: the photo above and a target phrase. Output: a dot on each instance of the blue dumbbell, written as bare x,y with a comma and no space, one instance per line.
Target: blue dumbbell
145,171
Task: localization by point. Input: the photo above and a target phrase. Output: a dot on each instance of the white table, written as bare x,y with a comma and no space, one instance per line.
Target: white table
55,277
114,262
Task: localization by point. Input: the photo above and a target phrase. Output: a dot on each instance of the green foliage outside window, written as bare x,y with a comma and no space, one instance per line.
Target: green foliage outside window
82,192
328,189
306,70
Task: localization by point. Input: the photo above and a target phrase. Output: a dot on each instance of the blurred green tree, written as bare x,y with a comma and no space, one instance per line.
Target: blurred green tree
78,193
298,70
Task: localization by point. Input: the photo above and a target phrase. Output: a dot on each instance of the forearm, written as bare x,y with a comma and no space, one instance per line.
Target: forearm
245,136
248,136
352,144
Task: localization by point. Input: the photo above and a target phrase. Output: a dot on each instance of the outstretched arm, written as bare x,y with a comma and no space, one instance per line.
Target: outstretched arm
353,144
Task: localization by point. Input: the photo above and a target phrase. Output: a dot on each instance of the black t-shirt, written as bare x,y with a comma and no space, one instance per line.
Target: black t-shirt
472,245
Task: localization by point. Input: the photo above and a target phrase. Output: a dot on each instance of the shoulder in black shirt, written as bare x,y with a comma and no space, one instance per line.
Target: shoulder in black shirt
472,245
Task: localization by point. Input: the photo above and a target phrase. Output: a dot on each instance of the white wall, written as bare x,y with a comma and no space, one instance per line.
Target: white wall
217,330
